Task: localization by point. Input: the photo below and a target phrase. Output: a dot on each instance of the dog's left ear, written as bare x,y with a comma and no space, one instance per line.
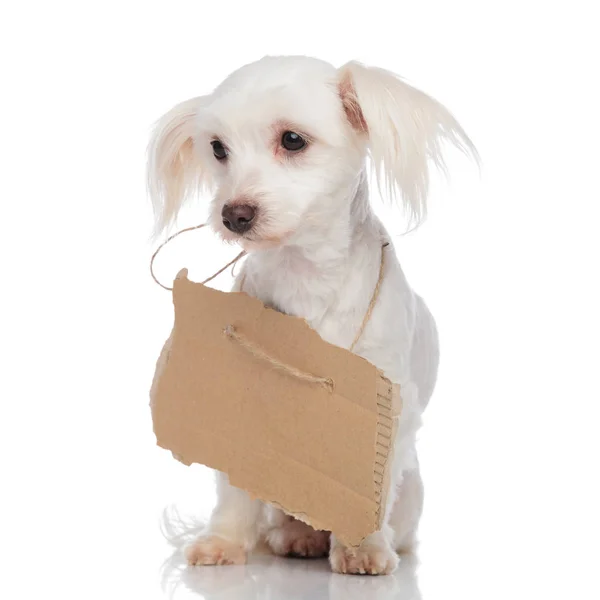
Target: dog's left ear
404,128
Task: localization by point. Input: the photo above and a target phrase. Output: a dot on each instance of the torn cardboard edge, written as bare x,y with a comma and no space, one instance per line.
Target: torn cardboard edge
322,454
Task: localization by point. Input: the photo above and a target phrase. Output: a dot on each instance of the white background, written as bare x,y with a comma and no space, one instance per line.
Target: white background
508,262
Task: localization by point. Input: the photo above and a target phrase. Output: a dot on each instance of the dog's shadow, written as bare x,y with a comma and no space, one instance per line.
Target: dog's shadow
267,577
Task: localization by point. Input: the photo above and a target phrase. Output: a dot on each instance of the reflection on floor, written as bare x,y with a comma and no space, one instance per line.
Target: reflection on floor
267,577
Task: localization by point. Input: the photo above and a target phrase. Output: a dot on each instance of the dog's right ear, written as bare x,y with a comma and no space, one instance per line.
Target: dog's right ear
174,170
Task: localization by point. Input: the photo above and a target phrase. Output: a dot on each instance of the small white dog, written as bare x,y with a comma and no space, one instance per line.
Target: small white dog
283,145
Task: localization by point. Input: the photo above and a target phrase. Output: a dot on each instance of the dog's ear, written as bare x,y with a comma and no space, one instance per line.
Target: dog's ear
404,128
174,170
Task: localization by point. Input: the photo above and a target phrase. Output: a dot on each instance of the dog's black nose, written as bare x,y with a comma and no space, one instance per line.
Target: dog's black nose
238,217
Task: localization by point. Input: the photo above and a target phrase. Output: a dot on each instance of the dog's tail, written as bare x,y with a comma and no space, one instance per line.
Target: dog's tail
178,531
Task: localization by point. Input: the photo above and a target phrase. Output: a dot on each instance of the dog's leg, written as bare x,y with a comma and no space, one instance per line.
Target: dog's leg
375,556
290,537
232,531
406,511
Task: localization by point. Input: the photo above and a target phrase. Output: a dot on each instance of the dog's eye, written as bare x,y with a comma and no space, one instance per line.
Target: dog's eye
292,141
219,150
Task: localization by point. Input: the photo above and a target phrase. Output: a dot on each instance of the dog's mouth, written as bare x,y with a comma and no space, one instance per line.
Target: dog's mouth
258,237
251,241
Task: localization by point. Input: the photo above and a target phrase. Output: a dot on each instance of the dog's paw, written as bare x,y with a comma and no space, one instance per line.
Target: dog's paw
368,559
294,538
213,550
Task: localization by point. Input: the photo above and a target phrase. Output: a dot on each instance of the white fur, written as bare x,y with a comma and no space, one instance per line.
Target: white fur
316,246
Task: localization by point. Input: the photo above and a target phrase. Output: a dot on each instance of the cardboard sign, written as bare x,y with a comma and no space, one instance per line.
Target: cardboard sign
321,453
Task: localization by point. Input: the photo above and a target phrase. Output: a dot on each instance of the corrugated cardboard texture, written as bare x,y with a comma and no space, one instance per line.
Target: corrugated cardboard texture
320,454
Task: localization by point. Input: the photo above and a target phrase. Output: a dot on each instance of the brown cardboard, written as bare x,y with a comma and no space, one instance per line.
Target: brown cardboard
321,454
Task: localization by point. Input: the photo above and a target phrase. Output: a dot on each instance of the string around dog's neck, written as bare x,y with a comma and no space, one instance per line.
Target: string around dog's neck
241,255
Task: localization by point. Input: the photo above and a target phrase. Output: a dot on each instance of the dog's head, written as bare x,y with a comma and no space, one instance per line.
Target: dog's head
282,141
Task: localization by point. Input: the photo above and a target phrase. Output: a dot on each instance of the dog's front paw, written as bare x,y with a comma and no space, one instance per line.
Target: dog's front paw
295,538
213,550
368,559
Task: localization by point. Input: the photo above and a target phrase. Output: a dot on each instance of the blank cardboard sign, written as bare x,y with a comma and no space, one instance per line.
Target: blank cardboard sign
319,451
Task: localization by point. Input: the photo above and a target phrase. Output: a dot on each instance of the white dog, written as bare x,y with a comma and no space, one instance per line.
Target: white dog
283,144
